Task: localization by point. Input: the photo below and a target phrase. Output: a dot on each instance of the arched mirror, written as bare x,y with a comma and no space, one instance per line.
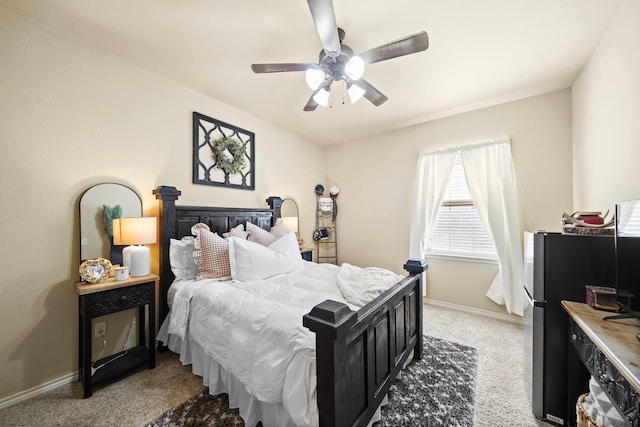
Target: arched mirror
291,217
98,206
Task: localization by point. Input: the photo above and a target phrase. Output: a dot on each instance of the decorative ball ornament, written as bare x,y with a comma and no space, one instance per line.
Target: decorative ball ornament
319,190
334,190
235,148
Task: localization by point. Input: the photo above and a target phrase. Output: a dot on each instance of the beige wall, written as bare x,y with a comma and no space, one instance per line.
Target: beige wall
606,117
376,177
71,117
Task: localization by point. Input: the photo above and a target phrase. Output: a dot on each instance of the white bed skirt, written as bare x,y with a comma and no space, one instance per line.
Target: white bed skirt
219,380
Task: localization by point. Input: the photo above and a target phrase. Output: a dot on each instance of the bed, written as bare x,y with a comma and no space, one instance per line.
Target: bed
346,372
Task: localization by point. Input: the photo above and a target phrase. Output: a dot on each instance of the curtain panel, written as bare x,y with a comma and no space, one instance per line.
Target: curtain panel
432,178
488,168
489,173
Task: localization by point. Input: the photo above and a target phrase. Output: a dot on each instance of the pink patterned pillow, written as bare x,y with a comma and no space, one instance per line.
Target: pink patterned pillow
237,231
278,229
210,252
264,237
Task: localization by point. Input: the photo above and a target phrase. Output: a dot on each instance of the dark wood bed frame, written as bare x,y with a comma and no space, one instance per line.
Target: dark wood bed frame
359,354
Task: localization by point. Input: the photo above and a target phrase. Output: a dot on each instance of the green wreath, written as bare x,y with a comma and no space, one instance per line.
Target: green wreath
233,165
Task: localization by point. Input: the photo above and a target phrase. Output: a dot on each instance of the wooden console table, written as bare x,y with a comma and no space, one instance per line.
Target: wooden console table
611,353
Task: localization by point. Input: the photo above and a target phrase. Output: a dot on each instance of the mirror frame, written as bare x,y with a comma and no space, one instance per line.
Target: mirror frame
93,215
287,209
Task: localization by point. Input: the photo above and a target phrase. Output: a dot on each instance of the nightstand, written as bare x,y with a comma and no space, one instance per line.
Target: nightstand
307,254
100,299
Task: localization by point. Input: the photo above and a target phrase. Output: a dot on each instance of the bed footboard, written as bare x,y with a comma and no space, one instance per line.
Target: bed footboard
359,354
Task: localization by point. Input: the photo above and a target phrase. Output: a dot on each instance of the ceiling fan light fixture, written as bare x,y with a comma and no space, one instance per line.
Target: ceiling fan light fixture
354,69
355,92
322,97
314,77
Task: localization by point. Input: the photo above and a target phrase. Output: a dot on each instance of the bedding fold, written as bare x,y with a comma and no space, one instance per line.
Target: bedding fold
359,286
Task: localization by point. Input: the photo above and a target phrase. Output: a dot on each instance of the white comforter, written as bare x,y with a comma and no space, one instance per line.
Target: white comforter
254,329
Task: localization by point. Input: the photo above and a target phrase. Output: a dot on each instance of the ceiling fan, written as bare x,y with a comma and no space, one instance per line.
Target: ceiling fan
337,61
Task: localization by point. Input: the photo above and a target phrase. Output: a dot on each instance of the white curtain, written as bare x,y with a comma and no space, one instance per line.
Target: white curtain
432,178
489,172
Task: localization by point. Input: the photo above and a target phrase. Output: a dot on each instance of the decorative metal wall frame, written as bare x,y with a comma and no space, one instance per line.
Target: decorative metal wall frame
206,131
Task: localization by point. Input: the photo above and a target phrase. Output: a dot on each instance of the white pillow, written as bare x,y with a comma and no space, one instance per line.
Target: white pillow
252,261
181,258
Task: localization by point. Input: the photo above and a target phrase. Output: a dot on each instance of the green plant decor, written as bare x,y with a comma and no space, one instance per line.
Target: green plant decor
108,215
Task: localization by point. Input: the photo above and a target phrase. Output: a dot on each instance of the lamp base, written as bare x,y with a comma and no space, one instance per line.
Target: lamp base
138,259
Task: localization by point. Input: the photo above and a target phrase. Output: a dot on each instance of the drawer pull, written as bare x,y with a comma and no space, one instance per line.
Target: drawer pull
123,298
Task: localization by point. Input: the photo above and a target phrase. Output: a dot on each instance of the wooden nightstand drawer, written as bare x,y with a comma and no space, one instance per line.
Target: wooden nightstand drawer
114,300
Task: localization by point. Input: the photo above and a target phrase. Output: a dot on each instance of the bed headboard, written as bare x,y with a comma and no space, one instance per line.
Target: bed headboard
176,222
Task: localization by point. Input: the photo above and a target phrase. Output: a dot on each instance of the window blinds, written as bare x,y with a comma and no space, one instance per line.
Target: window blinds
458,230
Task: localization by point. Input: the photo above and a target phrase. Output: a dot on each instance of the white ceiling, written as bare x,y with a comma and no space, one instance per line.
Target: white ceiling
482,52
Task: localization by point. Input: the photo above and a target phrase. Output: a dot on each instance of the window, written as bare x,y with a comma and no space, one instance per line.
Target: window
458,231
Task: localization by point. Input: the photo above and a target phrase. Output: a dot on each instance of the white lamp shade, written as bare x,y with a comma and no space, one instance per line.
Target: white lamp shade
134,231
290,223
138,259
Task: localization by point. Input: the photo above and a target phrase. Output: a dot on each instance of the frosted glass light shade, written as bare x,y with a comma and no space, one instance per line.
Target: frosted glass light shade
134,231
322,97
354,68
355,93
313,77
138,259
290,223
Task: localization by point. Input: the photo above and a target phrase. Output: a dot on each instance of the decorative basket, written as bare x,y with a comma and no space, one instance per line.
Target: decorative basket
582,418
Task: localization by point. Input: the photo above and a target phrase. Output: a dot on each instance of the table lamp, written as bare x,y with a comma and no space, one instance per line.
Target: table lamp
290,223
135,232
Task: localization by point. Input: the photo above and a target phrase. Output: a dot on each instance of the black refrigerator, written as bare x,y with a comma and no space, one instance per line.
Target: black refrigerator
557,267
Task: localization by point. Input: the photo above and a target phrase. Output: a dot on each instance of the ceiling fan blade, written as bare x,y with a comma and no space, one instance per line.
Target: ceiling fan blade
311,103
405,46
325,19
376,97
279,68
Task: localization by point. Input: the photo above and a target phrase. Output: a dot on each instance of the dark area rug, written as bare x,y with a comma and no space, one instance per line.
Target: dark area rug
438,390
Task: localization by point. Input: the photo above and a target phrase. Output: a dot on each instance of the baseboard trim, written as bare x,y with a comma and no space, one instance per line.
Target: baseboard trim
38,390
485,313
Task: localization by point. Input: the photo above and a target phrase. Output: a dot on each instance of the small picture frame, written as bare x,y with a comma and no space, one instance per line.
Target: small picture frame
96,270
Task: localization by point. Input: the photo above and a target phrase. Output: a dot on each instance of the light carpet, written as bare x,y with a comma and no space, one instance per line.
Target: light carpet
500,401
